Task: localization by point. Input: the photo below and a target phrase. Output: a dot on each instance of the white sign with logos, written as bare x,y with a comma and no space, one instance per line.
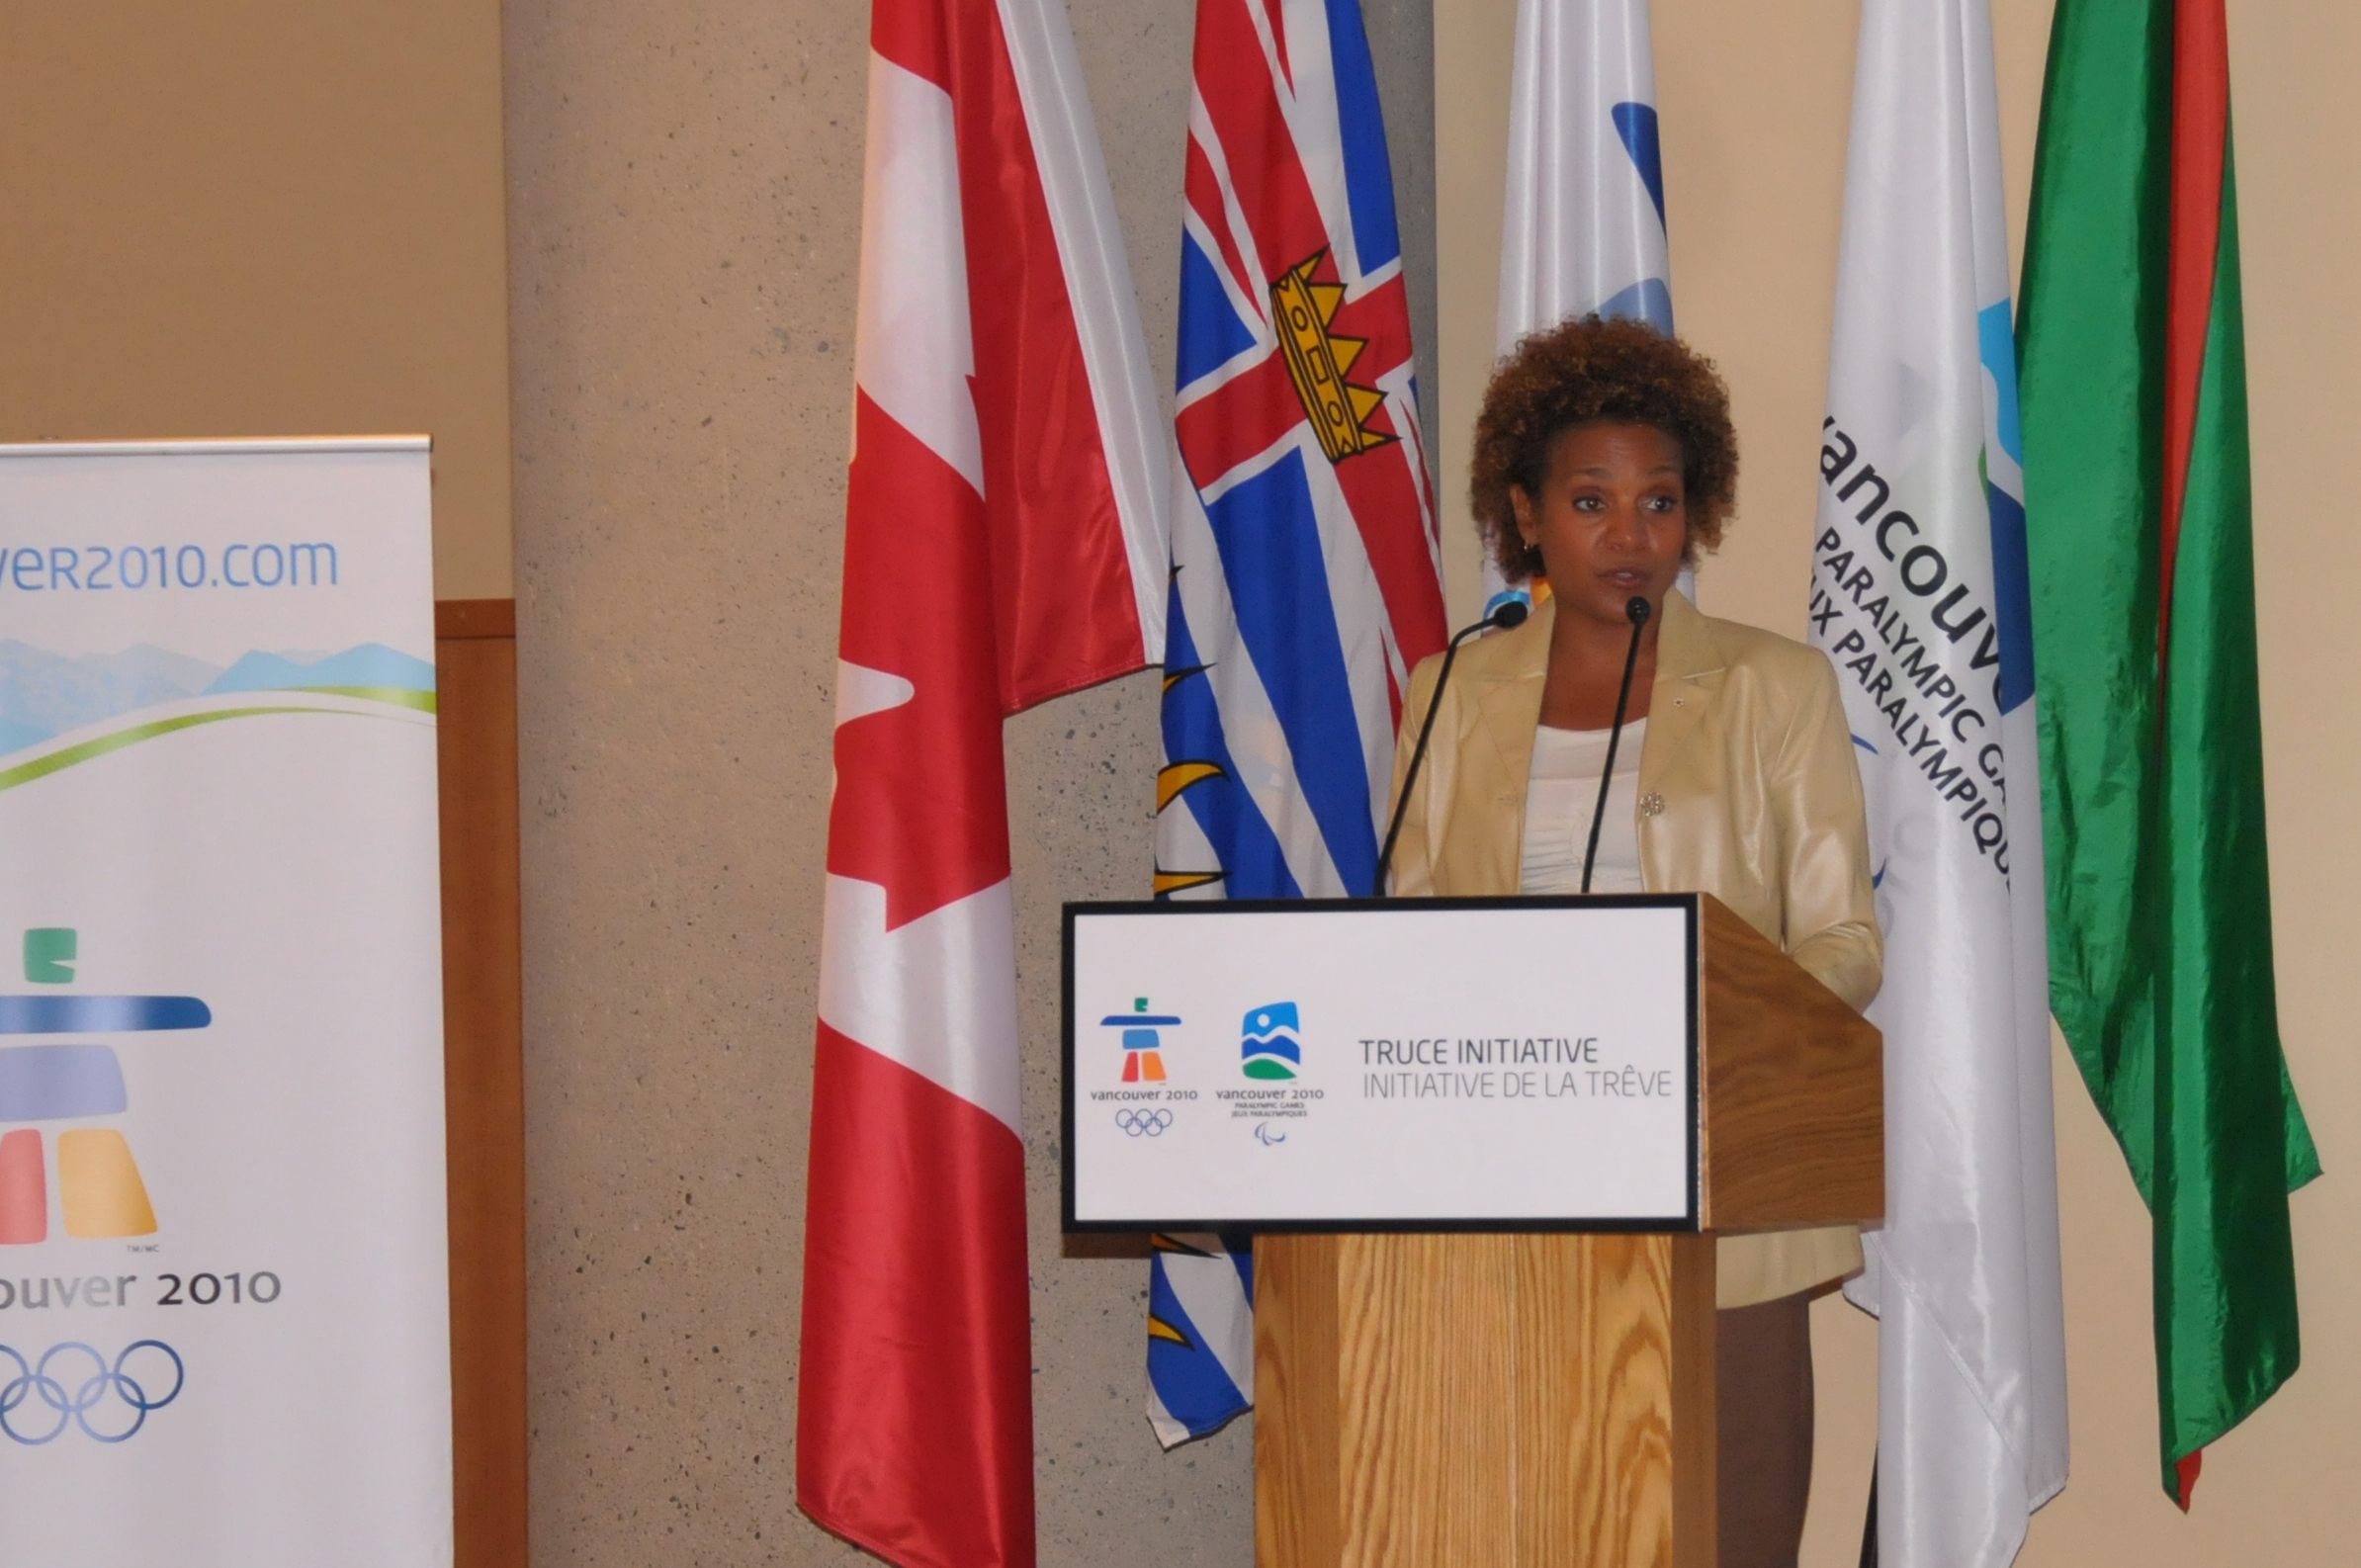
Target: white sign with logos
224,1333
1423,1064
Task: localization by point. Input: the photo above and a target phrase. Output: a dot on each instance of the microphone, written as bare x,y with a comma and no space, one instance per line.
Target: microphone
1636,609
1506,617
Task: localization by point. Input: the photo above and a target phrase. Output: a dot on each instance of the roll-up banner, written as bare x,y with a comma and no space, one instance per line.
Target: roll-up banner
224,1313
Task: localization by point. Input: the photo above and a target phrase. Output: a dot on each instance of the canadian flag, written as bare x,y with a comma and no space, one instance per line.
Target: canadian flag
1003,544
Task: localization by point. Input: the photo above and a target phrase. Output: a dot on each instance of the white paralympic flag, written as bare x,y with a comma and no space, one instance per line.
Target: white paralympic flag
1919,596
1583,229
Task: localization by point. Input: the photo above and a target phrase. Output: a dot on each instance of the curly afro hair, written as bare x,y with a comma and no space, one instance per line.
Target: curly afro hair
1591,372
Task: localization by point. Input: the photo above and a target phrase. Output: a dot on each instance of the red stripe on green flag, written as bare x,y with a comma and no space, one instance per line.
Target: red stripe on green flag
2200,151
2132,384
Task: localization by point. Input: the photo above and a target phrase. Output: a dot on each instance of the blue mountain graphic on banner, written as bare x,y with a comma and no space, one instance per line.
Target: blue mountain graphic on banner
370,665
44,694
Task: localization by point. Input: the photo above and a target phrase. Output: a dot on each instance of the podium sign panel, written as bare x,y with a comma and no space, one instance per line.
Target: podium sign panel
1414,1065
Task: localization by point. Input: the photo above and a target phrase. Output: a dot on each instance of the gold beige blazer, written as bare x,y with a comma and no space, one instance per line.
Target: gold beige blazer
1747,791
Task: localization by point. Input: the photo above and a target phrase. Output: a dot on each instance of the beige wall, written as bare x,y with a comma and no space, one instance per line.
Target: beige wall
262,218
1756,100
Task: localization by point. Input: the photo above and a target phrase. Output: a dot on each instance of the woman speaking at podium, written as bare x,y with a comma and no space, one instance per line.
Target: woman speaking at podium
1605,461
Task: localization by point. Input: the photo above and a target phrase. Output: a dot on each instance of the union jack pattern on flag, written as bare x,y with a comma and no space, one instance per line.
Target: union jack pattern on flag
1003,544
1306,577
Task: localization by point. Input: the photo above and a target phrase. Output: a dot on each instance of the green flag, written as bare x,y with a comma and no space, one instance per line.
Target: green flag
2133,384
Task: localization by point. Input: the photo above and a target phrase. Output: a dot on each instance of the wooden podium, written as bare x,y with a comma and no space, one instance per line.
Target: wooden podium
1484,1332
1546,1400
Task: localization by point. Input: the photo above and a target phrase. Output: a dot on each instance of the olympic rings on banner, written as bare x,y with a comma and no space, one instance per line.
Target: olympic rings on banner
1143,1123
85,1383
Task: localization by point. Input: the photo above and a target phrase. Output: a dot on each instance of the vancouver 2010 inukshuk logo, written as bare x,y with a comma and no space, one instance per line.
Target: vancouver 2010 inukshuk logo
1140,1036
65,1080
1143,1046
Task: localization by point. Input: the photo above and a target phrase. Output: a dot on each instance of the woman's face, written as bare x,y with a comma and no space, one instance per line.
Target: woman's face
1612,520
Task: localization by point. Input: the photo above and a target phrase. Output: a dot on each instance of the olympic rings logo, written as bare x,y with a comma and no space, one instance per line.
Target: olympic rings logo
1143,1123
84,1384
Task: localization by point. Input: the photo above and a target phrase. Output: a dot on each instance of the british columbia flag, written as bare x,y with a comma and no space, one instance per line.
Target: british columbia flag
1306,578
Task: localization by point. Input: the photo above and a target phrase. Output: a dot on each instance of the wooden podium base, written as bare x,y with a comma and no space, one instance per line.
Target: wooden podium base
1480,1399
1484,1401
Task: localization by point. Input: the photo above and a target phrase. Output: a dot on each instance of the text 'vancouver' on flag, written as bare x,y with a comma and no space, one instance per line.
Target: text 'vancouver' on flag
2141,539
1919,595
1003,544
1305,566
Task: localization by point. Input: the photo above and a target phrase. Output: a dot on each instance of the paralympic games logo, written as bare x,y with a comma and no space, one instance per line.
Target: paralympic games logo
1144,1123
74,1385
1269,1045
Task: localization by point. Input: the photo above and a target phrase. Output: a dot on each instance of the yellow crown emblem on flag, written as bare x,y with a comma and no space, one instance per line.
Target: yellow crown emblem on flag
1318,361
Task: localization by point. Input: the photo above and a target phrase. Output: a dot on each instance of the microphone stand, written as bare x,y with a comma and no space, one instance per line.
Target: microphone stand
1637,611
1511,614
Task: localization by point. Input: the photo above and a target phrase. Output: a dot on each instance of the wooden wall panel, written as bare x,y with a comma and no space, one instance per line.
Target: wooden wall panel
484,1076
